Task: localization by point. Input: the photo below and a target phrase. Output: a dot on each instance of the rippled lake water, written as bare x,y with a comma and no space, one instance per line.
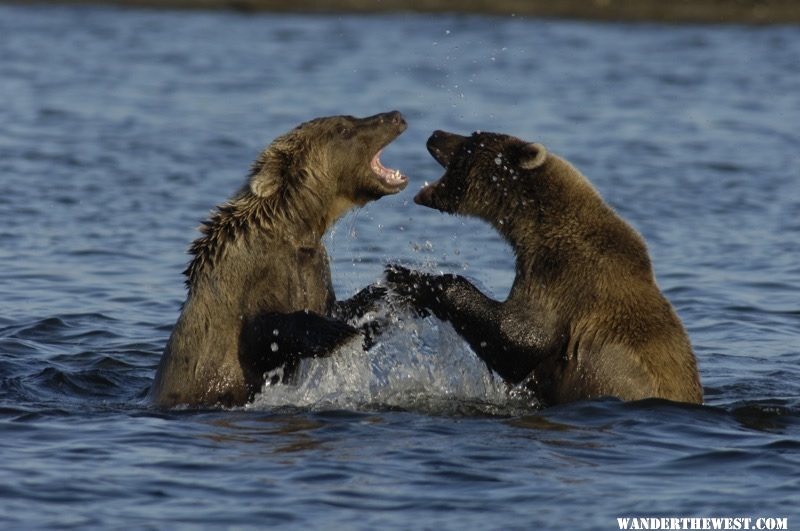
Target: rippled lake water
121,129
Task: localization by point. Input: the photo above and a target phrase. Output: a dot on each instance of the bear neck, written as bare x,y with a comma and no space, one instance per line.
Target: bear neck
252,216
554,252
298,186
547,247
537,258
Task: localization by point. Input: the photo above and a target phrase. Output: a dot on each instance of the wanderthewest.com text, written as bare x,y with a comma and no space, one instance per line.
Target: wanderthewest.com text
704,523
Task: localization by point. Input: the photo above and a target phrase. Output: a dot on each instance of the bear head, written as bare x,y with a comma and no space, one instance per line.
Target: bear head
335,159
485,174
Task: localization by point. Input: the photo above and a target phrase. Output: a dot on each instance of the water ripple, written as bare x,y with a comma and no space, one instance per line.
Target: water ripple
121,130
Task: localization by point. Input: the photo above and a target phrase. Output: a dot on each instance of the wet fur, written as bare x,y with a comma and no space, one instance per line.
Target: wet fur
584,317
260,296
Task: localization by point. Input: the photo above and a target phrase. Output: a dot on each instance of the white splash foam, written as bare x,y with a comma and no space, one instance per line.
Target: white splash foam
420,365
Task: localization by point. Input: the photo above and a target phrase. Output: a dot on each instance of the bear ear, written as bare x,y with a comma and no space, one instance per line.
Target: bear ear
262,181
532,156
263,185
269,172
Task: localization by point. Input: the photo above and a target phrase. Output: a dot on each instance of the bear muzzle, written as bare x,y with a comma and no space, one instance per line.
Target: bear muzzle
427,196
443,146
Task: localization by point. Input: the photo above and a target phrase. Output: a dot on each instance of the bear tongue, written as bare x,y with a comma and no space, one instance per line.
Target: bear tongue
390,176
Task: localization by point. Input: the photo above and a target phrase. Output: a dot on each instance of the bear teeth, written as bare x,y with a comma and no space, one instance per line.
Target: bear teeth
388,175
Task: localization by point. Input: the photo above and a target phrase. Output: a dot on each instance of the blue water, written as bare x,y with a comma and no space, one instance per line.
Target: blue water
121,129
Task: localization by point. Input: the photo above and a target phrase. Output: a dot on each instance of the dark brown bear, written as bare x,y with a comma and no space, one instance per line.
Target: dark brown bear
584,317
260,294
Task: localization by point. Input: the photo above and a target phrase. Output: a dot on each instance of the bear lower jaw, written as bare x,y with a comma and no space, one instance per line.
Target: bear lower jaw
425,197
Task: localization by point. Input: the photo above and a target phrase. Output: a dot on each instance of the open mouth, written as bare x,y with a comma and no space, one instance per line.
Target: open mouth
391,178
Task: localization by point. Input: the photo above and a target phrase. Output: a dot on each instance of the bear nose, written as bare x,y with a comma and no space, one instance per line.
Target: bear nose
394,118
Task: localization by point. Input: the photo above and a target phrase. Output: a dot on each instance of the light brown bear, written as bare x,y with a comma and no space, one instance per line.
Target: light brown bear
584,317
260,293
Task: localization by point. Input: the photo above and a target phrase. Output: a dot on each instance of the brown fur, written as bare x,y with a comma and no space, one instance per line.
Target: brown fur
584,317
260,293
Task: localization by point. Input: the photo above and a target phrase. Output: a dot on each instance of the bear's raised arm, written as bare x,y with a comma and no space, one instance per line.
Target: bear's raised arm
280,340
509,344
359,304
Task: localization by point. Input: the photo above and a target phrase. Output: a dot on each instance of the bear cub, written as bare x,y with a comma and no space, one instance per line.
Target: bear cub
584,317
260,294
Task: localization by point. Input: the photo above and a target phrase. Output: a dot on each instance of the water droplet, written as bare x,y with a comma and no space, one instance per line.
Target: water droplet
498,160
275,332
274,347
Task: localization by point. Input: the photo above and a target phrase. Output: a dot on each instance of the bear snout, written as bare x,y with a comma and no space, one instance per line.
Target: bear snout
394,118
443,146
425,196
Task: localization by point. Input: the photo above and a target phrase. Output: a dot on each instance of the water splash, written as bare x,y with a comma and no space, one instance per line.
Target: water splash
420,365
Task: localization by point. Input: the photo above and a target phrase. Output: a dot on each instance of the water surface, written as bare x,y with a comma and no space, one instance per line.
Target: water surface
121,129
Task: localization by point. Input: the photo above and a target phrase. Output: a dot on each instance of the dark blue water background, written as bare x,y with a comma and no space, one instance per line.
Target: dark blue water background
121,129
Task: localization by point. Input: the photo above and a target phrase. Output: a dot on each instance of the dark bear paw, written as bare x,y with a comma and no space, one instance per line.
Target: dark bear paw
359,304
417,289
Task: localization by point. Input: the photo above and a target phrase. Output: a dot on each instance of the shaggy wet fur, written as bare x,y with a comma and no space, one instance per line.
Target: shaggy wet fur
260,296
584,317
